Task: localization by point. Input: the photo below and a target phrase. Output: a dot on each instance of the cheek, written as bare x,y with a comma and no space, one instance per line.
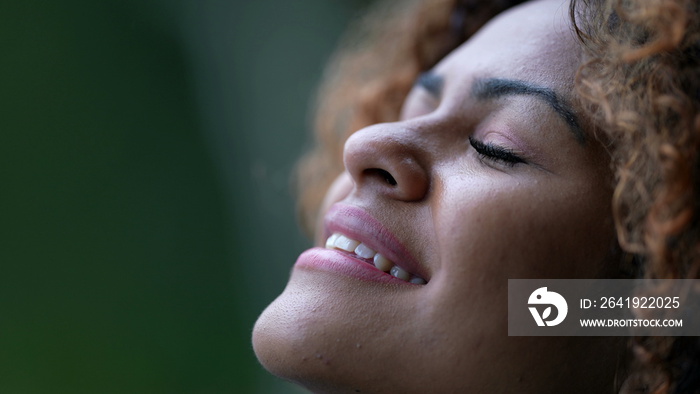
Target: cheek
487,237
556,230
340,188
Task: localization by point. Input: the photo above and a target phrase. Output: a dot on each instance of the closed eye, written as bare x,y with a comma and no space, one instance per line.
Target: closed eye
494,153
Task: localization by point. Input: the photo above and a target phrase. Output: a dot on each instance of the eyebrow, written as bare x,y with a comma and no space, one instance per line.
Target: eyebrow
493,88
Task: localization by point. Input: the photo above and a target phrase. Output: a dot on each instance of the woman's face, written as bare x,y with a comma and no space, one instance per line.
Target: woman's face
489,175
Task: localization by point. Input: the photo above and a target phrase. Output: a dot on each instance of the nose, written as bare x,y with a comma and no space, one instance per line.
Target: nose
388,159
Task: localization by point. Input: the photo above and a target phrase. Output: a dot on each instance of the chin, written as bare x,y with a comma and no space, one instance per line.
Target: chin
289,339
289,344
308,337
304,337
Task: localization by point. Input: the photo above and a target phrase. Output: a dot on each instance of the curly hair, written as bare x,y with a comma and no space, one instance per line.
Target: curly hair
640,85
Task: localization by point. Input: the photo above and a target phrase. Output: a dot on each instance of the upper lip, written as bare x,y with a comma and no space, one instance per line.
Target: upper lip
359,225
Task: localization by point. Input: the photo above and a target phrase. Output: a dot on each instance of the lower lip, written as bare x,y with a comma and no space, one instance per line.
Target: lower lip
328,260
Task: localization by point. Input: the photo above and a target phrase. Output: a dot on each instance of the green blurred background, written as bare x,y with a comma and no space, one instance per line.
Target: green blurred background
146,210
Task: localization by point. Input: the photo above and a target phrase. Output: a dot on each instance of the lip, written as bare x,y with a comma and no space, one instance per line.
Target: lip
361,226
338,262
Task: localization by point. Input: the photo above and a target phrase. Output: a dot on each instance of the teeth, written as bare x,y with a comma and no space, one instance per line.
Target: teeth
382,263
365,252
339,241
345,243
330,243
400,273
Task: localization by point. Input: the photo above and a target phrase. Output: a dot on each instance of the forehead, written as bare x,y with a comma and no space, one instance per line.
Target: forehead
533,42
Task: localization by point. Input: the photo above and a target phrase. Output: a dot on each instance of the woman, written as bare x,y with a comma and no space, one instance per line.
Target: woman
495,164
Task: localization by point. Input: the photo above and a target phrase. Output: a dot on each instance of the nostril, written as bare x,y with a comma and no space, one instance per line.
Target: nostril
388,178
382,174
